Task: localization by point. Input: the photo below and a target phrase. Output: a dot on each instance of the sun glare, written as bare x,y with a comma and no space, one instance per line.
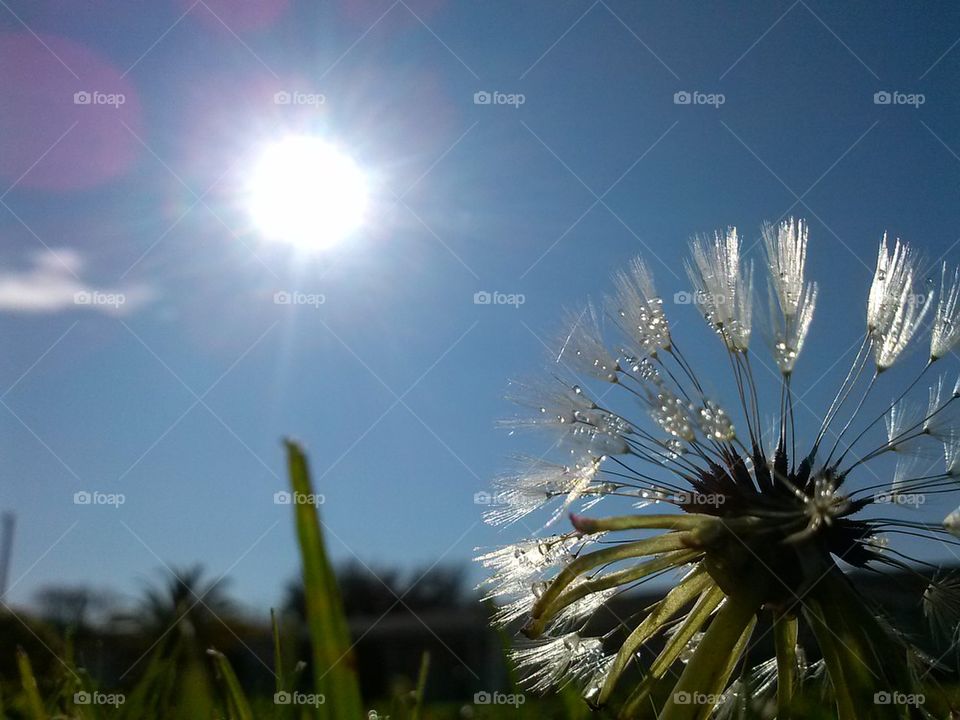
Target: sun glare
306,192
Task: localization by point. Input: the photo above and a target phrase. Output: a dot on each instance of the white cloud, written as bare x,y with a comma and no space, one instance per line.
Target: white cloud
52,283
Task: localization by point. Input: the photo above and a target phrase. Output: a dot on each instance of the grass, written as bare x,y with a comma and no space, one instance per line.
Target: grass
182,679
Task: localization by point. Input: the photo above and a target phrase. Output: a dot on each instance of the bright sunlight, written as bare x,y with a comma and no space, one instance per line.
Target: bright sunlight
306,192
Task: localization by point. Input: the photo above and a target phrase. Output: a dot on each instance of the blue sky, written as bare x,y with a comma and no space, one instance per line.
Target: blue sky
178,399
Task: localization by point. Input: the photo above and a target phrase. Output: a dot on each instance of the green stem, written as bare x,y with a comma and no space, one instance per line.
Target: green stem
863,659
705,673
695,585
846,707
676,521
785,638
709,600
536,626
649,546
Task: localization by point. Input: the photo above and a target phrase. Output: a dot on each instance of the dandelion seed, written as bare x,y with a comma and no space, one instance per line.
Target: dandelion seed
945,333
671,414
559,661
515,567
723,289
903,417
895,309
520,494
941,418
583,347
952,523
941,605
791,299
903,473
951,456
640,309
713,421
568,411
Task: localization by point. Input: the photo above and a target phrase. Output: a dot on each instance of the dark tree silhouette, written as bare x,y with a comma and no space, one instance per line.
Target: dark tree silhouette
374,592
188,605
70,606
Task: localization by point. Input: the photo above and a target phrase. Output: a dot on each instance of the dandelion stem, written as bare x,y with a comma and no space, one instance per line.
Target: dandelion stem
707,673
785,631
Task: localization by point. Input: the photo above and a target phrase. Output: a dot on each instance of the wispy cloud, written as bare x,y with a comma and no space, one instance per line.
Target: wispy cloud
52,282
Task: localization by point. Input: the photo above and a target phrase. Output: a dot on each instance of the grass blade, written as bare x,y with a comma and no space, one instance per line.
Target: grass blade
281,683
239,707
334,668
30,691
421,686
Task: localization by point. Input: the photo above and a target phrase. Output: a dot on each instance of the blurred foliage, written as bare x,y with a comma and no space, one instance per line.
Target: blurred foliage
186,618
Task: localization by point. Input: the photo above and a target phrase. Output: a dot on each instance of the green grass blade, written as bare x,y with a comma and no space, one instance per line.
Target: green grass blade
334,668
281,681
239,707
31,693
421,686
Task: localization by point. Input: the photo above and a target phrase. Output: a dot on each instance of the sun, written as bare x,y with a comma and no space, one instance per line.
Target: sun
306,192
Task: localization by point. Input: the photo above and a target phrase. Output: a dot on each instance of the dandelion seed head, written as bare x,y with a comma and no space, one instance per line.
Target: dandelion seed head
744,521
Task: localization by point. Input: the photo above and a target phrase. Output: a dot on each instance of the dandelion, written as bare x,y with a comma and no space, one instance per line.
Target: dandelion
743,526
